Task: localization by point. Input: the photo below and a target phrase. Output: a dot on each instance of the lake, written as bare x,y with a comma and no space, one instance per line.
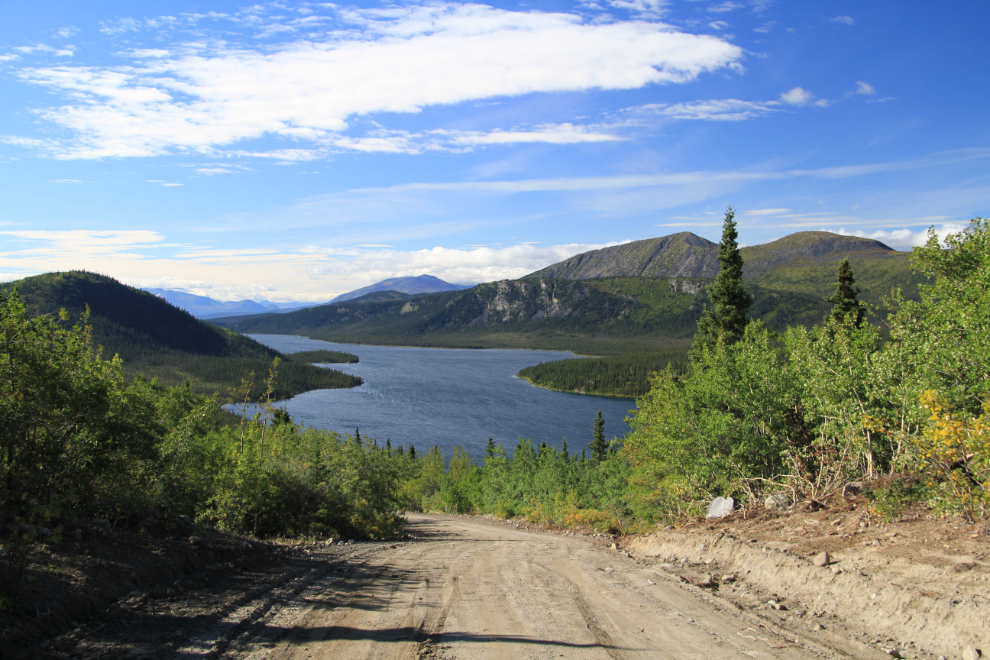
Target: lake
449,397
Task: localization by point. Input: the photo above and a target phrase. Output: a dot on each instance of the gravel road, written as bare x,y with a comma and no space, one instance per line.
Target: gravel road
471,589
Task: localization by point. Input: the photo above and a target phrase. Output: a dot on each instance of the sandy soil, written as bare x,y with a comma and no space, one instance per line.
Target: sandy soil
915,588
472,588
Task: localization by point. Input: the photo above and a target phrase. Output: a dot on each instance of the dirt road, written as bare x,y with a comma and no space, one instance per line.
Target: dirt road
469,589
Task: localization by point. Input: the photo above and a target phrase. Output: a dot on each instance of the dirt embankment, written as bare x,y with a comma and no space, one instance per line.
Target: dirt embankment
912,588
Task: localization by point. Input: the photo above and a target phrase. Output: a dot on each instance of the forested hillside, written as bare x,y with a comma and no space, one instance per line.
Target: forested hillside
157,339
604,317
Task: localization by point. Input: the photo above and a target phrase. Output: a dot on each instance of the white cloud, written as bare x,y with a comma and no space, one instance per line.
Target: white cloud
66,181
550,133
167,184
26,142
713,110
718,25
9,57
300,274
724,7
865,88
145,53
645,8
800,96
72,243
903,239
67,32
843,20
208,94
120,26
37,48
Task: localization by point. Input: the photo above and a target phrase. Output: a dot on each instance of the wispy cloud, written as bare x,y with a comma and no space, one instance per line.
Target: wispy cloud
865,88
712,110
194,96
842,20
72,243
724,7
308,273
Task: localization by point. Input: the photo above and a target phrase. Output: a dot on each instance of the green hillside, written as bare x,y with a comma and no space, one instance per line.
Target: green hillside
156,339
601,317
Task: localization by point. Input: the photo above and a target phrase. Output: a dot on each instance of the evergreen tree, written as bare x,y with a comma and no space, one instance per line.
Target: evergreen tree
357,436
412,452
598,446
844,300
563,449
490,448
726,316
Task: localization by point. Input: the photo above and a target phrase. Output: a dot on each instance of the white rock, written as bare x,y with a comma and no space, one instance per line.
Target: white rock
720,507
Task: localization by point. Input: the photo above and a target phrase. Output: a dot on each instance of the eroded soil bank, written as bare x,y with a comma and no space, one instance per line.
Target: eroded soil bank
914,587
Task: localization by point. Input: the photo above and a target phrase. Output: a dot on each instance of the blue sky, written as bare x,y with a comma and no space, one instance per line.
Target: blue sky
297,150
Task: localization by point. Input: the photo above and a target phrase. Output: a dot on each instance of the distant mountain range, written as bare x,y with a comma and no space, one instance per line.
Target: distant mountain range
203,307
410,285
642,295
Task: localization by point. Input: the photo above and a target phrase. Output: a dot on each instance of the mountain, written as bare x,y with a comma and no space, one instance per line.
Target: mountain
410,285
688,255
203,307
801,262
677,255
157,339
606,305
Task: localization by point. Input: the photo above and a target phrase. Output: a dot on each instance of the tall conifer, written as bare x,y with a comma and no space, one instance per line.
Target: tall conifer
726,315
598,446
844,300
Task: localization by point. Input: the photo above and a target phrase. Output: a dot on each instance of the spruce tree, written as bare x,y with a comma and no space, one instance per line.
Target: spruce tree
725,317
844,300
598,446
490,448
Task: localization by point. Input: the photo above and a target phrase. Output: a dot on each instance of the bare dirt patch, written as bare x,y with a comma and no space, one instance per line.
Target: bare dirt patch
916,587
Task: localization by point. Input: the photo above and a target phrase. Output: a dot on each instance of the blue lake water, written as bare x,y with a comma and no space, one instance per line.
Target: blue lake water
449,397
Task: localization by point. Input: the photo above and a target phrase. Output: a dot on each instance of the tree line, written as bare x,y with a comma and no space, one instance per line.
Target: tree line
626,375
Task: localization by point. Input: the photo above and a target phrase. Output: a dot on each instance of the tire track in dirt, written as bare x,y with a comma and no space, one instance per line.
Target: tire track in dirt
474,590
